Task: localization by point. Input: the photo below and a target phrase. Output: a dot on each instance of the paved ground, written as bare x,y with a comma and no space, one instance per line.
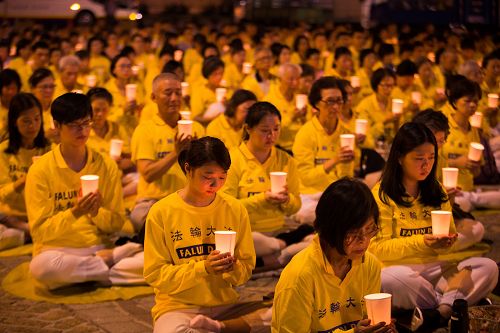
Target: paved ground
132,316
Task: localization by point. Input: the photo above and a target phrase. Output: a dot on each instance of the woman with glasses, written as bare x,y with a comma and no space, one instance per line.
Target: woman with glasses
71,231
43,86
421,270
26,141
260,81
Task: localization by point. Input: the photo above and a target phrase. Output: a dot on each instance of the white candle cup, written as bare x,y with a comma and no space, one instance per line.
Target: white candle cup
35,158
475,151
90,184
185,115
378,308
115,149
185,128
225,241
91,80
416,97
440,222
178,55
220,93
247,68
300,101
355,82
492,100
347,140
278,181
440,91
135,70
397,106
131,92
450,177
361,126
476,120
184,89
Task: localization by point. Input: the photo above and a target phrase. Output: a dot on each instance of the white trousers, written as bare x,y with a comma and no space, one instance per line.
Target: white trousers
469,232
426,285
472,200
266,245
10,237
60,267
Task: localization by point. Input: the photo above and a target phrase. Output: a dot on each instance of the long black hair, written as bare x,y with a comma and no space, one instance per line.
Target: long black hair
410,136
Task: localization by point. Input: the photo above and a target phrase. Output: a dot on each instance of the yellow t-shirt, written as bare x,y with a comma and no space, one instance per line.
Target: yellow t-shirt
101,66
351,126
428,94
179,237
233,77
400,239
248,179
309,297
4,122
370,110
24,70
220,128
201,98
52,189
251,83
153,140
102,145
312,148
191,57
13,167
397,92
61,90
365,88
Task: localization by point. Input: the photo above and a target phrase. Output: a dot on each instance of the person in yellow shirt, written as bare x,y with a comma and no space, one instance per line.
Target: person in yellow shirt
55,55
433,96
228,126
406,195
10,85
98,61
233,72
20,62
193,55
405,87
313,59
490,85
300,46
26,140
195,75
343,66
261,80
43,86
282,95
70,231
322,288
281,55
189,276
69,66
447,62
306,79
155,147
367,59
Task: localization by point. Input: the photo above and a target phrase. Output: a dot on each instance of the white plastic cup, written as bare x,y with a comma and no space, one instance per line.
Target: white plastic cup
355,82
450,177
440,222
220,93
475,151
225,241
178,55
131,92
91,80
347,140
378,308
135,70
361,126
185,128
185,115
90,184
185,89
300,101
416,97
115,149
35,158
397,106
247,68
492,100
476,120
278,181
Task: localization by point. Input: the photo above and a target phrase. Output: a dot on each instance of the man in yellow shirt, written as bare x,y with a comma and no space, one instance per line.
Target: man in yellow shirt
156,145
69,67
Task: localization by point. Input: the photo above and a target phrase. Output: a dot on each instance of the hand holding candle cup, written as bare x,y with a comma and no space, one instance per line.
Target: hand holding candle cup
397,106
440,222
185,128
131,92
184,89
278,181
89,183
247,68
378,308
355,82
361,126
493,101
225,241
347,140
91,80
475,151
220,94
416,97
115,149
300,101
476,120
450,177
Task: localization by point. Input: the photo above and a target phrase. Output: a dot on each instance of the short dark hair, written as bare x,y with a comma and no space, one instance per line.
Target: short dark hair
344,206
311,51
82,54
210,65
100,93
297,41
9,76
363,54
326,82
458,86
20,103
239,97
379,75
209,46
307,70
22,44
38,75
436,121
410,136
167,49
340,51
96,38
70,107
203,151
171,66
385,49
406,68
39,45
255,114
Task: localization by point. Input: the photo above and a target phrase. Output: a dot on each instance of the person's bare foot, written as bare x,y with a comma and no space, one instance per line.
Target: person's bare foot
107,256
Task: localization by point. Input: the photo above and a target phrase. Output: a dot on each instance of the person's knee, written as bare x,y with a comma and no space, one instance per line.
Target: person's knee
489,271
394,278
45,267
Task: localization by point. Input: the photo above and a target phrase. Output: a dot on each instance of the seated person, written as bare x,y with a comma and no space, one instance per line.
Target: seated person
71,242
10,85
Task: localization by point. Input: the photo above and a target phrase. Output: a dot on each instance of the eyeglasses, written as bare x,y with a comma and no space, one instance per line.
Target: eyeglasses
80,126
360,237
331,102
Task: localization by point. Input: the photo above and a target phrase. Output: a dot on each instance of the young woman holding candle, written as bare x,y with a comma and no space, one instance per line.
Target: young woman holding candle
70,232
422,265
189,276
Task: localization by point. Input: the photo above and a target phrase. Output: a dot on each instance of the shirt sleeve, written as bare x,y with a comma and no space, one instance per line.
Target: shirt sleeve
142,144
293,309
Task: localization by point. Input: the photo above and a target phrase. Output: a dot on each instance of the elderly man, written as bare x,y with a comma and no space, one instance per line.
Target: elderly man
68,74
156,145
283,97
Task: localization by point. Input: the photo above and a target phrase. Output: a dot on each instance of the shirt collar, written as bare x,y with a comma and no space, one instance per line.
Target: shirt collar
61,163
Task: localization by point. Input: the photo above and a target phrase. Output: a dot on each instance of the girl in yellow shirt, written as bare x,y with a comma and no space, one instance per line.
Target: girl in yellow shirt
26,140
414,274
188,274
43,86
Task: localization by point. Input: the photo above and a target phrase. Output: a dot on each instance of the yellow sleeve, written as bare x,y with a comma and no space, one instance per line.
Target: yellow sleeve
159,270
142,144
6,183
294,204
293,309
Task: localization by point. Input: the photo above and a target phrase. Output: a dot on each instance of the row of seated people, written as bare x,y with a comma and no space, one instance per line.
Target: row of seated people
183,174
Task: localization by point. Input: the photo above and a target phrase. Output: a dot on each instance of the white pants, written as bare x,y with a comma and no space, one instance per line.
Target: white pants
10,237
140,212
495,148
426,285
471,200
307,212
60,267
469,232
266,245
